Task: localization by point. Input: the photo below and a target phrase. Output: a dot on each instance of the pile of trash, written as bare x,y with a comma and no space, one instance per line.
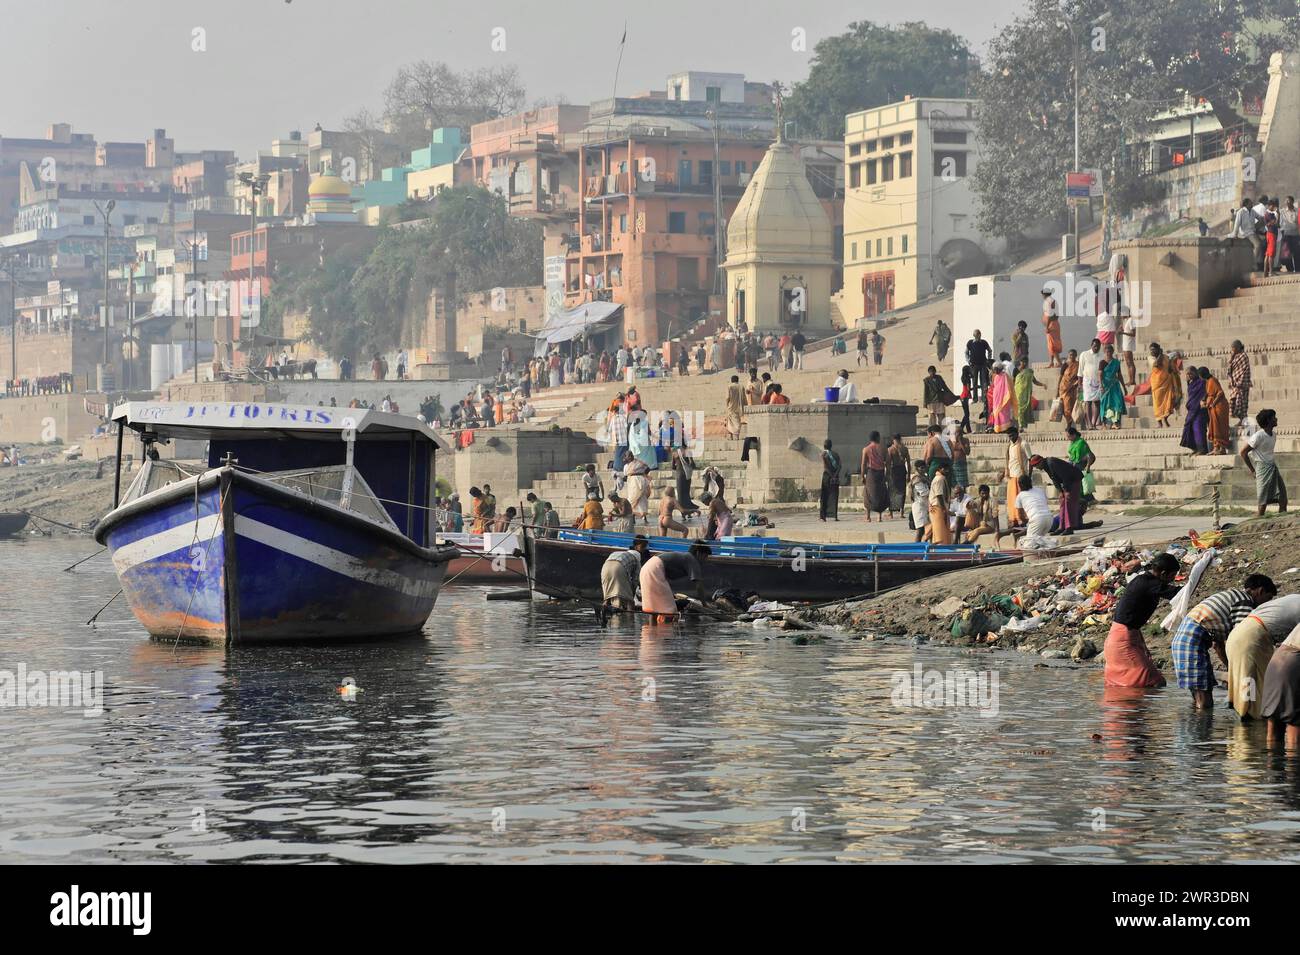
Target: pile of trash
1052,614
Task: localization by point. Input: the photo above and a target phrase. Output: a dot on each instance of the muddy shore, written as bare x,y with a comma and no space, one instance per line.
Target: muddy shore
926,611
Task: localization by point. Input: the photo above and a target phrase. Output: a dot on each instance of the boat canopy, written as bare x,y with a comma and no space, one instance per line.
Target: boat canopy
394,453
256,420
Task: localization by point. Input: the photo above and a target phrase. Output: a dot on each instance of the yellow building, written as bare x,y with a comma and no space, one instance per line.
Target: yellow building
908,203
427,183
780,250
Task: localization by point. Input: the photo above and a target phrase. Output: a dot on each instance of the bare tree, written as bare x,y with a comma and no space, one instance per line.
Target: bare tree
425,95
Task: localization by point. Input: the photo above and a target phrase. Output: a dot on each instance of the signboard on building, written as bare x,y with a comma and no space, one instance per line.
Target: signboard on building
553,281
1094,190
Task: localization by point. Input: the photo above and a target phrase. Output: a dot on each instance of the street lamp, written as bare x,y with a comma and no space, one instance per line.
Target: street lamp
104,212
1074,44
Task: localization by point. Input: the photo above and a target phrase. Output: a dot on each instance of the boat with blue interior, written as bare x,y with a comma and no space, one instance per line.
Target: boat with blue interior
568,565
301,523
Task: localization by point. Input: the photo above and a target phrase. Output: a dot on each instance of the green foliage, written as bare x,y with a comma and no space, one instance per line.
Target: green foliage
1136,60
872,65
356,301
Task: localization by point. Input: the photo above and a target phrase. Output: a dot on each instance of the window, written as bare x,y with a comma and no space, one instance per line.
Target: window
706,172
889,246
854,253
871,172
872,144
949,136
706,223
866,250
950,165
855,149
904,139
713,94
724,168
886,168
677,222
878,248
740,167
905,245
622,222
905,165
87,220
855,175
886,142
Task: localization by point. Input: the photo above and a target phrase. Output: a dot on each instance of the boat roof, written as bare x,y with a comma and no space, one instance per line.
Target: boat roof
746,546
265,419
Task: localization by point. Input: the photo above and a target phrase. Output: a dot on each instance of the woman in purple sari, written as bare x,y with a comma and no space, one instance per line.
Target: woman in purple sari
1197,417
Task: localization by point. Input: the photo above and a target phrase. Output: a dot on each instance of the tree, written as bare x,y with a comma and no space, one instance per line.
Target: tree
872,65
424,96
1136,60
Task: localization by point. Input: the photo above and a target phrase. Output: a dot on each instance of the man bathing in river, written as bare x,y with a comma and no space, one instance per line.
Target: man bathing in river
1128,661
620,573
657,596
1208,625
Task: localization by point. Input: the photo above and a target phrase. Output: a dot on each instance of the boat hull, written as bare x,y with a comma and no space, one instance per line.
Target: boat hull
559,568
13,522
229,557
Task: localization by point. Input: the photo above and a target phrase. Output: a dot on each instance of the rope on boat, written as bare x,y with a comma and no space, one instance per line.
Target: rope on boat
68,569
91,621
50,520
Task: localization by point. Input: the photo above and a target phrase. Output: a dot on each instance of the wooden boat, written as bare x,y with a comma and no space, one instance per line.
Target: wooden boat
305,523
485,559
568,565
13,522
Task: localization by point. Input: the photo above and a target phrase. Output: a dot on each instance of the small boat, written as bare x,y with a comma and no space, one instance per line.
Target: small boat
13,522
568,565
304,523
485,559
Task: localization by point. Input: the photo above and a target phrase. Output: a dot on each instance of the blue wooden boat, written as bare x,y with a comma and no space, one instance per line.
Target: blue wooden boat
305,523
568,565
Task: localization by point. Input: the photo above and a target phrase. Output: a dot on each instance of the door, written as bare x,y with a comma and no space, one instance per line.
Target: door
684,172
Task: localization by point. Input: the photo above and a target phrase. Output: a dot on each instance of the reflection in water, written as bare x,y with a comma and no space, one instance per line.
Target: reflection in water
515,731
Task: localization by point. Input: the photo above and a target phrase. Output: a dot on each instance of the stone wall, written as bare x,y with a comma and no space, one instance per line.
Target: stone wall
1211,189
47,418
776,469
1176,278
52,354
513,459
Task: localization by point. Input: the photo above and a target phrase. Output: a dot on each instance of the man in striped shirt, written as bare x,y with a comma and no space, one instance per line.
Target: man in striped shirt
1208,625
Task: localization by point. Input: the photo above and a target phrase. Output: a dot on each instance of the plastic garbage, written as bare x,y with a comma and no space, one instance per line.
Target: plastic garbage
1024,624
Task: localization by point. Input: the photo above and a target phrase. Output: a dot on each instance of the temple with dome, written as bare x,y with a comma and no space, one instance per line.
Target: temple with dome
780,250
329,199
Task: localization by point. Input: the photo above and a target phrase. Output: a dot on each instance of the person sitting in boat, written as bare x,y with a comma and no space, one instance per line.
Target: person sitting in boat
592,517
667,506
620,514
621,572
658,573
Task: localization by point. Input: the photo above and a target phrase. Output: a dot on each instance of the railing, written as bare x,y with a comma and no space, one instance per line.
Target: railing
1157,157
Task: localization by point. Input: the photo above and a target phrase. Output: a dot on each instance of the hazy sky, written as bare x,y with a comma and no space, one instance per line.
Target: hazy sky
119,68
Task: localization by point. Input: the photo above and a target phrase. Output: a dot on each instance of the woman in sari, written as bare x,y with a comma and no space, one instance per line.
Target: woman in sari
478,511
1025,382
875,496
940,533
1164,386
1239,383
1000,399
1052,329
1112,389
1195,422
1217,425
898,463
1067,389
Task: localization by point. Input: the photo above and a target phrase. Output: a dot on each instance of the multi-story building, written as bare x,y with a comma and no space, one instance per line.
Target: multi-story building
429,169
908,202
657,171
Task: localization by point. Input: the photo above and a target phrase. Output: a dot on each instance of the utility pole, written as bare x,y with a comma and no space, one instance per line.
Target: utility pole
128,353
1074,42
257,187
13,320
105,212
194,318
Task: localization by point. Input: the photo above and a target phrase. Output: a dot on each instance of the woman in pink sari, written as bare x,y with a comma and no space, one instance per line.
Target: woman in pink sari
1001,399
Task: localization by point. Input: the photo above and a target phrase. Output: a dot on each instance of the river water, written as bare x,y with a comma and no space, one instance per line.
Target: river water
513,731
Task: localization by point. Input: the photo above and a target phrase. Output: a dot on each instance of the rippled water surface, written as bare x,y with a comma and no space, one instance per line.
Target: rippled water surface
512,731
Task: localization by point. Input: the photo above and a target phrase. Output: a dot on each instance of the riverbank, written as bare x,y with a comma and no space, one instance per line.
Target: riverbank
1071,605
73,493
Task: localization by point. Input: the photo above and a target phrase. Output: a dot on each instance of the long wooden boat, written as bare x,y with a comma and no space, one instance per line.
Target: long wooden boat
568,565
485,559
305,523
